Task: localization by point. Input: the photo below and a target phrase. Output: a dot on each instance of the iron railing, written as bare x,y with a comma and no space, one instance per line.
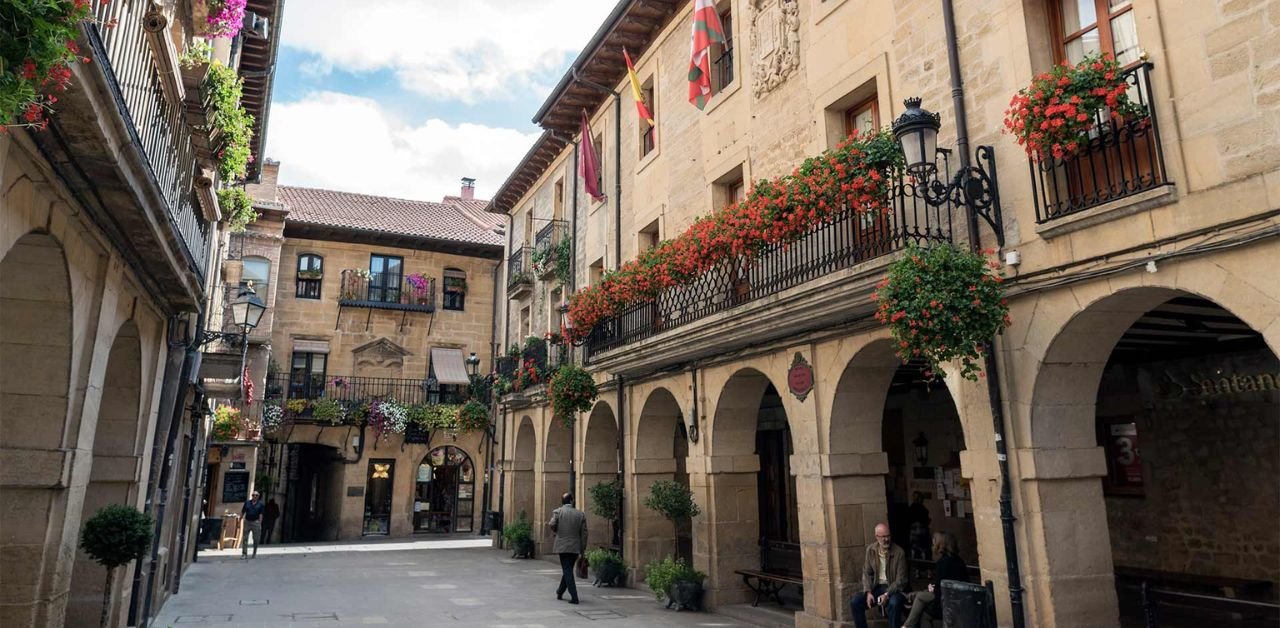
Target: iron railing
356,390
387,291
155,123
849,239
1123,157
519,268
724,66
544,258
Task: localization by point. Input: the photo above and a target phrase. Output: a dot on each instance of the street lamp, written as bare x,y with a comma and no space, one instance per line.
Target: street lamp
473,363
246,312
917,132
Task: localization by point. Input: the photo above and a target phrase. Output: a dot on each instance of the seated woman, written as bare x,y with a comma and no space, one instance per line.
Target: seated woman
948,567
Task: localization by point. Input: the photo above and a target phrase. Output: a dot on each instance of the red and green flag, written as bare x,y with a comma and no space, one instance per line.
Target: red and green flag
707,30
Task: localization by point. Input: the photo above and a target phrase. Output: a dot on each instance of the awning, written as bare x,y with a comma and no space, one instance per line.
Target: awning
448,366
310,346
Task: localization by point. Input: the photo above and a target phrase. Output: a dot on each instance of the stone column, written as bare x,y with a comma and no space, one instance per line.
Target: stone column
554,483
649,536
732,527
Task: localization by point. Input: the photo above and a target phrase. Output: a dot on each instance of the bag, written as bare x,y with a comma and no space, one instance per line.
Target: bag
580,569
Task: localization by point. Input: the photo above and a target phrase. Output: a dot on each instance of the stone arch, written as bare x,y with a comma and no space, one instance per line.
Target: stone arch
599,464
555,467
115,469
522,473
661,451
1065,501
35,380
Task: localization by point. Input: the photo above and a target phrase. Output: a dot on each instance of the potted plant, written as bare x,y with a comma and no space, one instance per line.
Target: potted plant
571,390
226,423
519,534
606,502
675,581
310,274
327,410
112,537
674,501
420,287
473,416
608,567
222,18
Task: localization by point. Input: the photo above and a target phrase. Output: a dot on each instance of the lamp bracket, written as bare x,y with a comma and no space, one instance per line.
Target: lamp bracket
233,338
974,187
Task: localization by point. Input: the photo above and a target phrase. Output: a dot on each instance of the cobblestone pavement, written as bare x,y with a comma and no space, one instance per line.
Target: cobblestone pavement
383,584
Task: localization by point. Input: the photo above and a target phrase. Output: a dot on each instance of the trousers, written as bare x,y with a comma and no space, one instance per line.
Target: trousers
567,580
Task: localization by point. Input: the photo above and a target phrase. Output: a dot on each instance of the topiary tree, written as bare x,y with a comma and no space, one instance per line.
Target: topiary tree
115,536
674,501
606,502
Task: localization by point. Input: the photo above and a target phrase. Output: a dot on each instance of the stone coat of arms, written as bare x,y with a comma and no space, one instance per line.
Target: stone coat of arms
775,43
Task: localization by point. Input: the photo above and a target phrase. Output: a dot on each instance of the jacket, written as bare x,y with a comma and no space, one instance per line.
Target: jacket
895,570
570,527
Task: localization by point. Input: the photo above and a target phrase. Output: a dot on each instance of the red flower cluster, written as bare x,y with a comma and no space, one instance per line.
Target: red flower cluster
852,177
1054,116
39,64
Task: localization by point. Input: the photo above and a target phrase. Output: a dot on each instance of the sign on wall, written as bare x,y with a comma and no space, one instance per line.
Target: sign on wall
800,377
235,487
1124,458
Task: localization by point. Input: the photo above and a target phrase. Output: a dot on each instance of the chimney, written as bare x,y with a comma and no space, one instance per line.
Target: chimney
468,188
266,188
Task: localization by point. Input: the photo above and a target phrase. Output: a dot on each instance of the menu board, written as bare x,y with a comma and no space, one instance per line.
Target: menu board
235,487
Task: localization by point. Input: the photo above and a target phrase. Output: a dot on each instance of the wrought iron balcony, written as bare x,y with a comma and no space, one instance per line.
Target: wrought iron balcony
357,390
1122,158
544,257
387,291
519,273
850,239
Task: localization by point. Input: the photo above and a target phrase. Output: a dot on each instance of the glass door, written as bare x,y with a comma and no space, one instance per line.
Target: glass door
377,497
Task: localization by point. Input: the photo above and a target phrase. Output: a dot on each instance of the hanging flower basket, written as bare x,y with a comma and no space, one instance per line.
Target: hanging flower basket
35,60
942,303
571,390
1055,115
473,416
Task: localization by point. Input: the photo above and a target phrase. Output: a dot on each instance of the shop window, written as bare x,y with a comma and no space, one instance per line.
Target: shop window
306,375
444,498
1089,26
455,289
722,54
310,275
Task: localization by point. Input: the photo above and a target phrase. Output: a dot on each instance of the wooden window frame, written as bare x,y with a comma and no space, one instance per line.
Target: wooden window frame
453,299
725,53
649,132
1103,15
379,279
871,103
309,288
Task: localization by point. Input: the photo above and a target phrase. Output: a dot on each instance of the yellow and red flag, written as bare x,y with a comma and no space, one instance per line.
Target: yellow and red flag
641,108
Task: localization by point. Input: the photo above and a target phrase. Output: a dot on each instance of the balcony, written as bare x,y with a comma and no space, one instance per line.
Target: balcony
519,274
387,291
823,278
549,247
357,390
1122,159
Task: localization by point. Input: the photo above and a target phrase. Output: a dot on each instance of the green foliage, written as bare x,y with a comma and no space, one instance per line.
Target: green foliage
237,208
226,422
224,89
942,303
661,574
327,410
554,258
606,499
262,482
672,500
481,387
37,47
197,52
518,531
600,556
435,417
473,416
116,535
571,390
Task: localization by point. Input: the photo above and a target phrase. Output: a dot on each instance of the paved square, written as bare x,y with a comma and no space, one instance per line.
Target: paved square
472,588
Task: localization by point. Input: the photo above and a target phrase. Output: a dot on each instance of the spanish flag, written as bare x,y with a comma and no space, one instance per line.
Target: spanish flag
641,108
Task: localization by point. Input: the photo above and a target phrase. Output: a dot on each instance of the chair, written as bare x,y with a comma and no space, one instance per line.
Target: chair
230,532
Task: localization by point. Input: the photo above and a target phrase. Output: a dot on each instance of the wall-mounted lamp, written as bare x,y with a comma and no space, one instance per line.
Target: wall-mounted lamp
693,428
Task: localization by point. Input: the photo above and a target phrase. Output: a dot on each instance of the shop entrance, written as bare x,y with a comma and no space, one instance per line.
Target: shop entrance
312,493
377,497
444,492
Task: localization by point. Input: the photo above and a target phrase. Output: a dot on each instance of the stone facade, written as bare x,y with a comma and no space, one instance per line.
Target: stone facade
1080,282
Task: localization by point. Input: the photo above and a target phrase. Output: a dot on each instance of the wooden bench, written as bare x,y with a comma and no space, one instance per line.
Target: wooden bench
779,567
1226,586
1208,609
768,585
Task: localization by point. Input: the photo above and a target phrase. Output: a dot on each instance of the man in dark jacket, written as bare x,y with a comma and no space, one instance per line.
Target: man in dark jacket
570,527
252,512
884,580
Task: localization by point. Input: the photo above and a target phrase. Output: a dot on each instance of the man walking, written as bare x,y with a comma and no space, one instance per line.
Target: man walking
251,517
570,527
884,580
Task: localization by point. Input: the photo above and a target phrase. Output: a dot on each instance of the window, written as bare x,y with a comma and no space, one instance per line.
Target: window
310,274
525,323
455,289
722,55
596,272
385,273
306,375
730,188
648,132
597,143
557,207
862,117
555,317
649,236
1087,26
257,275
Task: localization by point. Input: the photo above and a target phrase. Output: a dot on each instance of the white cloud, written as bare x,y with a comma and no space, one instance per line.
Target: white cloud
468,50
343,142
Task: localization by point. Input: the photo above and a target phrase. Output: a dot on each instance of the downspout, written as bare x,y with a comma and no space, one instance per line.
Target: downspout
187,496
573,282
488,456
622,468
1007,519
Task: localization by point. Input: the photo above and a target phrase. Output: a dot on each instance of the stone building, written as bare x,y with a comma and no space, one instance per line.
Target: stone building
108,261
1136,382
371,298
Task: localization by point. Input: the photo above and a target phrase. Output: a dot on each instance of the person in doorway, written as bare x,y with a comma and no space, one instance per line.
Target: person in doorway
949,567
570,528
884,580
920,520
269,516
251,517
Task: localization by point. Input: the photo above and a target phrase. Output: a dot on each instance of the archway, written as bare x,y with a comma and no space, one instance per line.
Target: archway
444,491
1178,397
661,449
521,483
35,375
754,516
315,487
114,475
555,477
599,465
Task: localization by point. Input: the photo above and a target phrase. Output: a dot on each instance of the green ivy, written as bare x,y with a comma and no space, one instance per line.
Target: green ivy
224,90
237,208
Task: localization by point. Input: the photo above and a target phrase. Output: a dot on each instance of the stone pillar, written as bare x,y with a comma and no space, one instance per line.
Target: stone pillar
649,536
555,483
732,527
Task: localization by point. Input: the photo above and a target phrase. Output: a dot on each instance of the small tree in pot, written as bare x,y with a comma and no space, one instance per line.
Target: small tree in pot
606,502
519,534
674,501
115,536
607,565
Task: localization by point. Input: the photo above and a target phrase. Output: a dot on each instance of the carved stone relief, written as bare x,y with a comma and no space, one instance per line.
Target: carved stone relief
775,43
380,358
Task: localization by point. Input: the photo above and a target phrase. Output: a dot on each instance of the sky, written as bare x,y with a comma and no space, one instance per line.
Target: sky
403,98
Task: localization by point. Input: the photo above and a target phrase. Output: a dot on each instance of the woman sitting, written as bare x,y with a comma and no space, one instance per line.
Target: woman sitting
948,567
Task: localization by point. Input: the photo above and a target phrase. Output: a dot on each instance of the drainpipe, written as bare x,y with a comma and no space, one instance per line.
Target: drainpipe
493,364
1007,519
622,468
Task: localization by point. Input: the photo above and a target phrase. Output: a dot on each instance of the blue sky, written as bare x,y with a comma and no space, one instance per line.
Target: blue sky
404,97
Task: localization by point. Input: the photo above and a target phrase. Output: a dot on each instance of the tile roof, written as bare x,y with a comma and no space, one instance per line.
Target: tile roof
456,221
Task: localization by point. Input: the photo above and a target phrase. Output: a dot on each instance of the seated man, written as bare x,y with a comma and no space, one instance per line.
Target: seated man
884,580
